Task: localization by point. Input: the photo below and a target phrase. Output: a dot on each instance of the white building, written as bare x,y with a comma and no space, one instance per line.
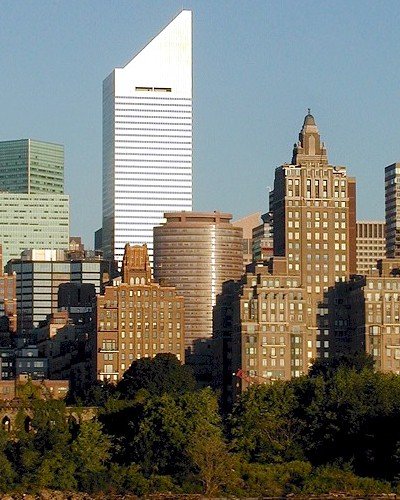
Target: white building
147,139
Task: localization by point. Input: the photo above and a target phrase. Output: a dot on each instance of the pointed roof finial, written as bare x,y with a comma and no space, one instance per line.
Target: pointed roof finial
309,111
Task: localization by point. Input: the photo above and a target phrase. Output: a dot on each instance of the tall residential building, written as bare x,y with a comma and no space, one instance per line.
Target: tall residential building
248,224
147,139
136,318
370,244
279,319
196,252
34,211
259,329
392,209
364,315
313,205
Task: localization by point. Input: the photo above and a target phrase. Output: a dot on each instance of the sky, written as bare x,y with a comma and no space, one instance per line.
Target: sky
257,66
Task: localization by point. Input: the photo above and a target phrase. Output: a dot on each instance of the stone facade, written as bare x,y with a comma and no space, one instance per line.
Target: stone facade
136,318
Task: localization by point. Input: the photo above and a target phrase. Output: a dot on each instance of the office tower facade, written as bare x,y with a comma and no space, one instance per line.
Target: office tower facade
34,211
39,274
196,252
31,167
370,245
247,224
136,318
392,209
33,221
147,139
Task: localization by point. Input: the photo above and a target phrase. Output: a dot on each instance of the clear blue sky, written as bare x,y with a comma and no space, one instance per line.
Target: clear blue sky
258,66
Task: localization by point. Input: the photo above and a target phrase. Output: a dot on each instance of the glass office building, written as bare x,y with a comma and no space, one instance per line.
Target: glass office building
34,211
31,167
33,221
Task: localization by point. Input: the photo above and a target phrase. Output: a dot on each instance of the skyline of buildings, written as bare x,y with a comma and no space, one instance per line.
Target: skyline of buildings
147,139
39,273
271,320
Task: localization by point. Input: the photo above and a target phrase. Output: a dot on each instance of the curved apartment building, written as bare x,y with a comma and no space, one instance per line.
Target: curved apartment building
196,252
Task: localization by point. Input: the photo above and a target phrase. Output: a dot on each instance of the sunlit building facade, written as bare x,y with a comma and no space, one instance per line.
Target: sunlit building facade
31,167
197,252
147,139
136,318
277,320
370,245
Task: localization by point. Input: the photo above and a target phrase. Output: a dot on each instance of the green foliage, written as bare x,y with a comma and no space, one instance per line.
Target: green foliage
7,475
163,374
127,479
216,467
264,427
90,453
57,471
163,484
330,479
327,367
335,430
274,480
166,426
50,425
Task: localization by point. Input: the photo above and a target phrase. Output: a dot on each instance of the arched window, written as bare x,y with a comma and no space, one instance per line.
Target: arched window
6,424
28,424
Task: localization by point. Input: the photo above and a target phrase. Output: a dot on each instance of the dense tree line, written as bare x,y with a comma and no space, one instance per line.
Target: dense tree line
334,430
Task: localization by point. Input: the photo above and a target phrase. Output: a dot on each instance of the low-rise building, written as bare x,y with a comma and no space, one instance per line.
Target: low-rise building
43,388
263,239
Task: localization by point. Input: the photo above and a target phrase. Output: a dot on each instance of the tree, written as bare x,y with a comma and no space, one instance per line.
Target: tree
263,425
90,453
163,374
7,475
216,467
159,434
327,367
57,471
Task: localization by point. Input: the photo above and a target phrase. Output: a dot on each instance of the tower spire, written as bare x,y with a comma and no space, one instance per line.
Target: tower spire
309,148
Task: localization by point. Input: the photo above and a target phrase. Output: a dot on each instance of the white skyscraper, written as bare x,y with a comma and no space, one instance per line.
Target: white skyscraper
147,138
